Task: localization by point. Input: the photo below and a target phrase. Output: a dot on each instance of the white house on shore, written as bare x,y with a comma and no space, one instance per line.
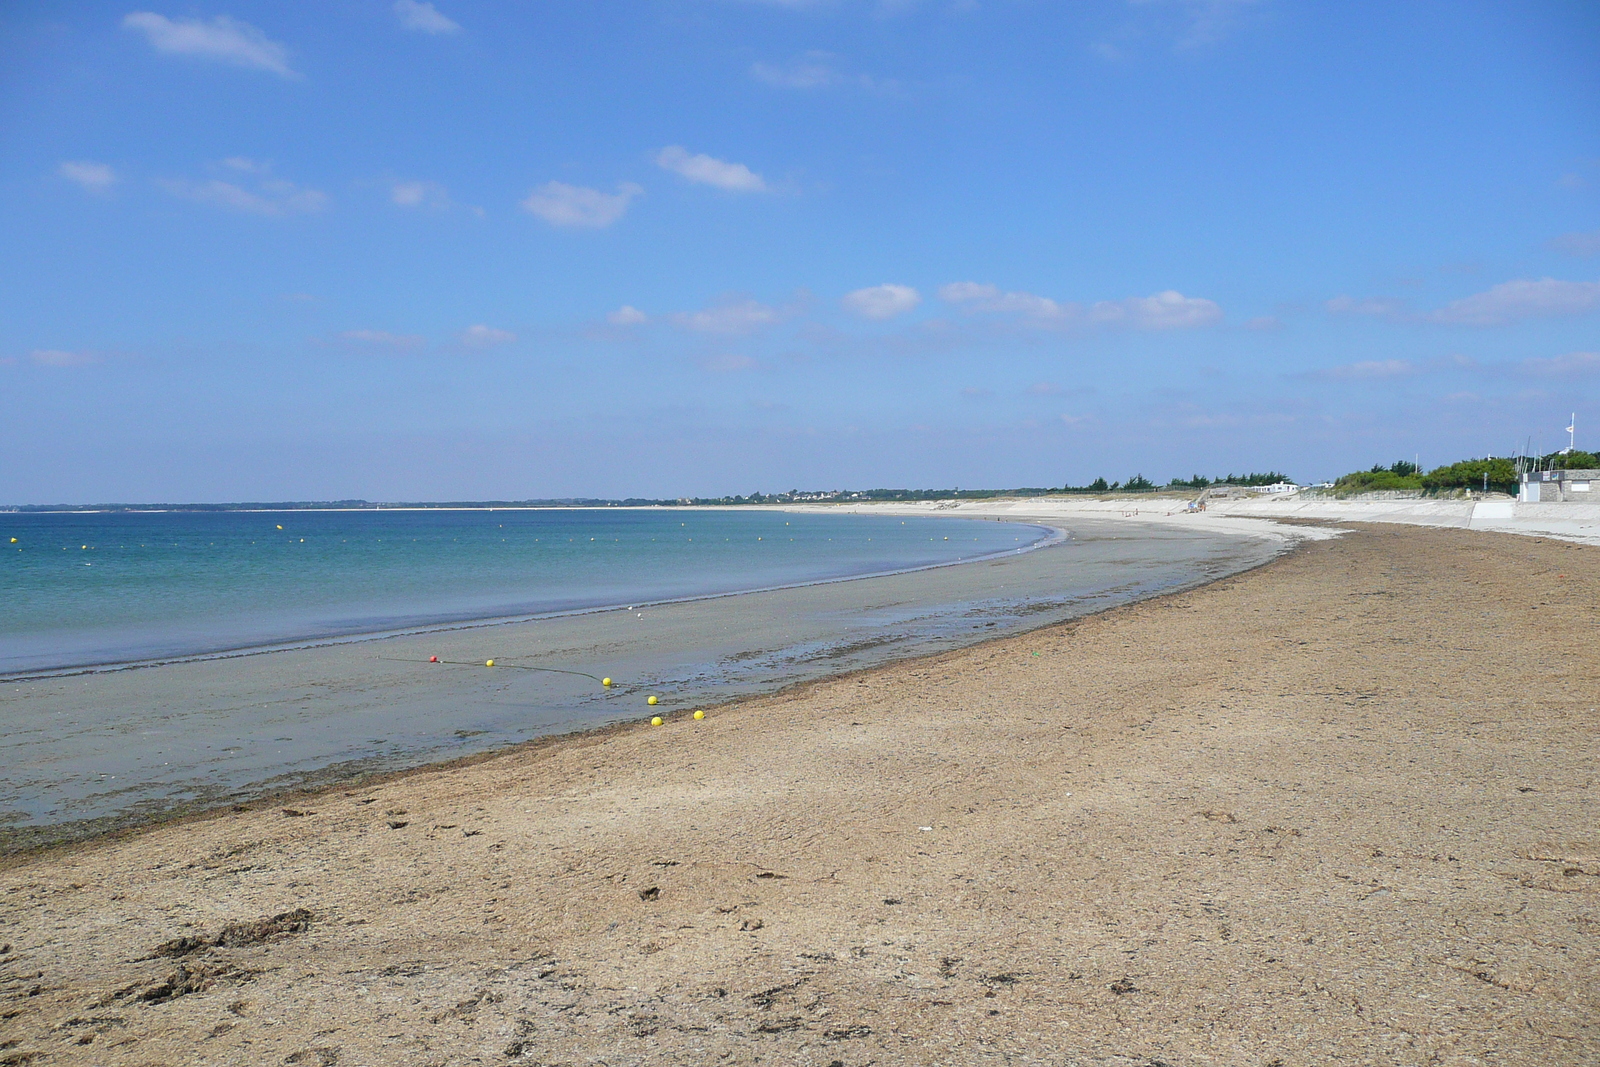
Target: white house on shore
1554,487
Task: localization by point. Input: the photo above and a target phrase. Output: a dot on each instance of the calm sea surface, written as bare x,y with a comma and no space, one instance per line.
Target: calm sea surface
90,589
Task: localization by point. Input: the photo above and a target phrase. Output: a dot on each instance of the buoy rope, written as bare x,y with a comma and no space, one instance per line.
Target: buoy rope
516,666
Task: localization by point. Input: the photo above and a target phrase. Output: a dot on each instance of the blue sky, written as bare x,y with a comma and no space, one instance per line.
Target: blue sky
469,250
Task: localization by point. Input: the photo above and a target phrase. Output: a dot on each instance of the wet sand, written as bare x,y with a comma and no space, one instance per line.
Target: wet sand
1338,809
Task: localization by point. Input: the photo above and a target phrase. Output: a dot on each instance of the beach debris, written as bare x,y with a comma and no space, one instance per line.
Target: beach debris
1123,985
847,1033
188,978
235,935
398,824
652,893
656,721
699,715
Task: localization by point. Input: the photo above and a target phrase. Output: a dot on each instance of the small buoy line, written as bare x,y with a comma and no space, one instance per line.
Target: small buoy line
652,699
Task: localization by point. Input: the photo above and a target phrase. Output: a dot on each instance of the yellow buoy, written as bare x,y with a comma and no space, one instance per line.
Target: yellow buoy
699,715
13,540
652,700
605,681
656,721
280,526
488,663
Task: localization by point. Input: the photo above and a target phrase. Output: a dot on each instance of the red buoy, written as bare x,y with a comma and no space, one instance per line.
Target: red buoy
433,659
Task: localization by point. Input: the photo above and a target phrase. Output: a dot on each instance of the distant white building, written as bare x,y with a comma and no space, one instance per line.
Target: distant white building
1276,487
1556,487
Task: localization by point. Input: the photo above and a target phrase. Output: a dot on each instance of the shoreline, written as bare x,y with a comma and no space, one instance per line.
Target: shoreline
1328,829
336,778
706,618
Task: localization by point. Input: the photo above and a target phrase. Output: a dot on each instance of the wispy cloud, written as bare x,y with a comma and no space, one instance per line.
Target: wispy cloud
1368,369
732,317
627,315
561,204
1578,244
424,18
223,40
1166,310
1377,307
882,301
92,177
256,192
383,339
1501,305
707,170
817,70
1571,365
486,337
56,357
1522,299
419,194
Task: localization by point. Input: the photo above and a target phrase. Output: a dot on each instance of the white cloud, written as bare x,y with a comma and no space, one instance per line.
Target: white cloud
93,177
1571,365
727,363
1578,244
383,339
1521,299
882,301
424,18
419,194
733,177
816,70
561,204
627,315
811,71
270,196
978,296
222,39
486,337
55,357
1166,310
733,317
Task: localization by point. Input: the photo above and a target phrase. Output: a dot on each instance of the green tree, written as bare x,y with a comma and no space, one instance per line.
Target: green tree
1500,475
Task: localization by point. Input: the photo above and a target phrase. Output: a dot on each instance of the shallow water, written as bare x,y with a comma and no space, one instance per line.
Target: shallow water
85,589
95,750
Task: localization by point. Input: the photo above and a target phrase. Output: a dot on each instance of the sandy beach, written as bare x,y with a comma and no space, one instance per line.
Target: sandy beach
1337,809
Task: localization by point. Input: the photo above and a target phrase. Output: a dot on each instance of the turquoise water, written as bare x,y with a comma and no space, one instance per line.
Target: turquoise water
81,590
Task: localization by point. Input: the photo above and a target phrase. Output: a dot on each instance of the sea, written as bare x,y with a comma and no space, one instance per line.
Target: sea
94,589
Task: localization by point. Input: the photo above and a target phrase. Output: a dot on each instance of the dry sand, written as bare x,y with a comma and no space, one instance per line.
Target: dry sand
1340,809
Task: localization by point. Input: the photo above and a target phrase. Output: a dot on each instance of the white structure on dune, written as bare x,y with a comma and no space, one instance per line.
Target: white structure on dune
1559,487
